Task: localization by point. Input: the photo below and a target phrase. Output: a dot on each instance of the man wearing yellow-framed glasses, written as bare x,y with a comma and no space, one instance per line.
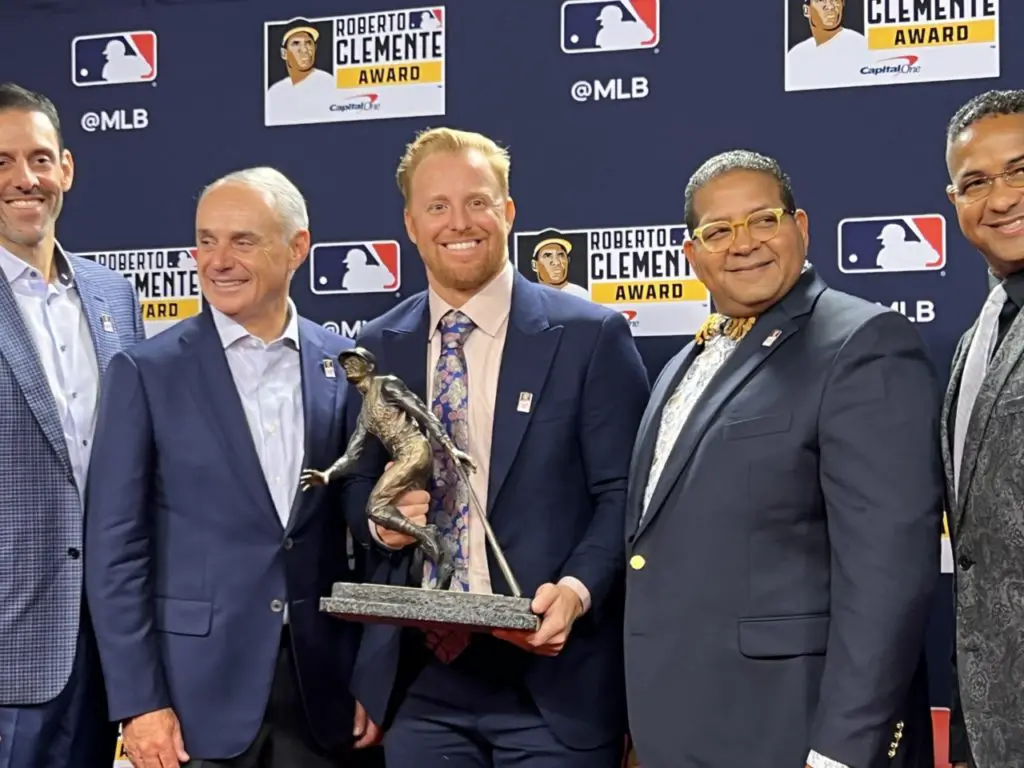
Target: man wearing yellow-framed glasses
784,509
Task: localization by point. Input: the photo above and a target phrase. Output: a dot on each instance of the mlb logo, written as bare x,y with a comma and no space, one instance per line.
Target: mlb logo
426,21
355,267
591,26
892,244
114,58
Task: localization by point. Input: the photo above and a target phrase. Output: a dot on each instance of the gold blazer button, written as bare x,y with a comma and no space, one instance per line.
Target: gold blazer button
636,562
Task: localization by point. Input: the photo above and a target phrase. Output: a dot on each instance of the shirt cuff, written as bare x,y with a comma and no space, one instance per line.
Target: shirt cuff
577,586
820,761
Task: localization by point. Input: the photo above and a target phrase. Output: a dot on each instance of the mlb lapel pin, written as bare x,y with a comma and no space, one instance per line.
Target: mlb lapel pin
525,401
328,366
107,323
772,338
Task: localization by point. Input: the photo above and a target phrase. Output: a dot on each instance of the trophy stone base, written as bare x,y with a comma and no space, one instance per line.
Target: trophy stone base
415,607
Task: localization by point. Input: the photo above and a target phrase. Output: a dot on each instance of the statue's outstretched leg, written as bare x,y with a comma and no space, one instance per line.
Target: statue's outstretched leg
408,472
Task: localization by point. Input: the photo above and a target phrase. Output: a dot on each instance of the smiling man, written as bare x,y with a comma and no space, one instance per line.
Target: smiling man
544,391
61,320
205,563
982,428
785,507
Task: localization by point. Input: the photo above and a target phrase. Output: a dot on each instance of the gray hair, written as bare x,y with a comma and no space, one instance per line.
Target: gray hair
735,160
988,104
282,195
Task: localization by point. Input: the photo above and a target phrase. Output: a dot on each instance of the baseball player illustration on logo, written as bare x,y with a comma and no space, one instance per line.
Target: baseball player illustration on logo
306,91
550,263
832,52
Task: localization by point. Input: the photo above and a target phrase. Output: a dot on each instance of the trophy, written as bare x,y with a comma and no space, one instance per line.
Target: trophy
409,431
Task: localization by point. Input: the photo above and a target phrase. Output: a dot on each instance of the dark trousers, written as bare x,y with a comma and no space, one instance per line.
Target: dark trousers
477,713
284,739
71,730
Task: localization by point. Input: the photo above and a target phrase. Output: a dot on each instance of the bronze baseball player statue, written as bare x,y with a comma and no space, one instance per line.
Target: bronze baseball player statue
403,423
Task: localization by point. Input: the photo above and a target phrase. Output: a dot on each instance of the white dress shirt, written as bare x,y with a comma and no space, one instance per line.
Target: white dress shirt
268,378
59,330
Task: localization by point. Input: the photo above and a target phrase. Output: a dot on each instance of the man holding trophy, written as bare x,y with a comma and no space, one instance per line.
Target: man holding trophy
539,395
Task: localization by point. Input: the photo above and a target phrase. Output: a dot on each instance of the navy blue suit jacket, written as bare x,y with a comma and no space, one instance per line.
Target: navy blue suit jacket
781,578
186,559
556,495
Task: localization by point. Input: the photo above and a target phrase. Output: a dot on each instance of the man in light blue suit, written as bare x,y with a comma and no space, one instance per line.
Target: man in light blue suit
206,563
61,320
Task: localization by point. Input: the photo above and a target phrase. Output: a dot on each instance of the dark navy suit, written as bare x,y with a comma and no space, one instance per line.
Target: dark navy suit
556,501
780,582
188,566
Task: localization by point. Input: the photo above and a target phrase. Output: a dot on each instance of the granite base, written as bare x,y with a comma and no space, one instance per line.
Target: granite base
415,607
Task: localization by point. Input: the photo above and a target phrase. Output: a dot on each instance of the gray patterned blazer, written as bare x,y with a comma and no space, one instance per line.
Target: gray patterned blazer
987,532
40,504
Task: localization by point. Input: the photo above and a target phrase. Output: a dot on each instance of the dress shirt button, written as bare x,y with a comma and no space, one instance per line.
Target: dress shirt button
270,429
74,553
63,347
276,606
85,442
288,543
74,395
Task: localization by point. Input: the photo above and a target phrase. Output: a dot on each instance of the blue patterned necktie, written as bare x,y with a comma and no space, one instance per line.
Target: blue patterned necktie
450,498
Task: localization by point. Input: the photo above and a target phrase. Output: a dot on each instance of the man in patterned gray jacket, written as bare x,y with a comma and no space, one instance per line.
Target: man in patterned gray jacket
61,320
983,440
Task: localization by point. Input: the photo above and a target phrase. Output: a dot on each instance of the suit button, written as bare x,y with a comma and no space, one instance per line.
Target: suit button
965,562
637,562
288,543
74,553
276,606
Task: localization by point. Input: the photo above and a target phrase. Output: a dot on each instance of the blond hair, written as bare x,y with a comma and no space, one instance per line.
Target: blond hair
451,140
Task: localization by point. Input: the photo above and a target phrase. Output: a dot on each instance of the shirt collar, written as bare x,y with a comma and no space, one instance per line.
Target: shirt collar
488,308
15,268
1014,286
231,331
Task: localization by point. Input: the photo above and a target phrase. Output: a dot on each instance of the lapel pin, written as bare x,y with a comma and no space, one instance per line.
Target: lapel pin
525,401
328,366
772,338
107,323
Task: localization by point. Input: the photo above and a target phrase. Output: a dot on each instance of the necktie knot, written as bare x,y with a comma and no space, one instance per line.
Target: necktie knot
718,324
455,327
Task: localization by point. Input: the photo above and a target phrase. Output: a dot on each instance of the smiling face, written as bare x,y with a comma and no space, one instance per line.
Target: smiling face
749,275
34,175
244,261
459,220
989,208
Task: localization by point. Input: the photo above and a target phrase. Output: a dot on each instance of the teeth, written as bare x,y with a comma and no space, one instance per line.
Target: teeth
462,246
24,203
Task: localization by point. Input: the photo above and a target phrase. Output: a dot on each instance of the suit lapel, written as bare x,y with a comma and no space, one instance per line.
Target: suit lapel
405,347
647,435
17,348
1003,363
780,323
216,394
530,345
947,424
319,409
106,341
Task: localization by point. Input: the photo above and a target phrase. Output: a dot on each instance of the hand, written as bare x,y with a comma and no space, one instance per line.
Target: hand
559,606
960,765
464,459
366,732
154,740
312,477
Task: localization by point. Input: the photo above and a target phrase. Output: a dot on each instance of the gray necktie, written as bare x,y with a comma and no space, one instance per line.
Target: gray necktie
978,356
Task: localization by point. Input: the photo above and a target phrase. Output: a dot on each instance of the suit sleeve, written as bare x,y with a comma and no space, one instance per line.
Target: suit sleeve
615,394
882,481
118,558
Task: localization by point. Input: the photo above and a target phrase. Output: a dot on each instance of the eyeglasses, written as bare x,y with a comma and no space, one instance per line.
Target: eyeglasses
980,187
762,226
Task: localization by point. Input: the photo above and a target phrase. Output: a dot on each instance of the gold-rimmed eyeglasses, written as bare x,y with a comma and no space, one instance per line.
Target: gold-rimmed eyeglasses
716,236
980,187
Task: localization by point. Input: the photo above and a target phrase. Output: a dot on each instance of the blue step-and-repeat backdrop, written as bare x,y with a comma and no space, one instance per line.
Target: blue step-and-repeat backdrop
607,106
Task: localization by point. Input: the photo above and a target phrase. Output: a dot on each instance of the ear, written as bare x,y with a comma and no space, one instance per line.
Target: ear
299,248
67,167
510,215
951,194
533,266
807,11
284,55
800,217
410,226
